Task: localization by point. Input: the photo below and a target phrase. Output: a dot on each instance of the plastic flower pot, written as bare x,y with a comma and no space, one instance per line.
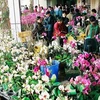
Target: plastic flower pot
53,69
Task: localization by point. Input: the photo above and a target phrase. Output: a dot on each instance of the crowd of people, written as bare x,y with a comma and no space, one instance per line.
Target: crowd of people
56,21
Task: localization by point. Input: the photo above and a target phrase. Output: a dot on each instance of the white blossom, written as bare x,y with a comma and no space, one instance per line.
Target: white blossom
38,88
61,87
45,78
44,95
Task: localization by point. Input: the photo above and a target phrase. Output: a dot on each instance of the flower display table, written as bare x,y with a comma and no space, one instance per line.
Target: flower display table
23,35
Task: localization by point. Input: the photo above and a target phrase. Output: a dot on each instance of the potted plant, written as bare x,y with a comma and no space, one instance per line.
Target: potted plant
87,84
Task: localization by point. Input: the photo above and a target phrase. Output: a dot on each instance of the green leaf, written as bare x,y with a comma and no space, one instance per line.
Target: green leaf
5,86
57,57
53,97
59,92
29,73
72,92
71,87
33,82
56,84
54,92
81,97
17,79
9,63
37,99
25,98
15,88
14,98
80,88
63,60
97,96
53,78
64,56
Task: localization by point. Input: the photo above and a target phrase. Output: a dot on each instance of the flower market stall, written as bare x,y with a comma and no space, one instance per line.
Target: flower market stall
50,69
25,75
20,75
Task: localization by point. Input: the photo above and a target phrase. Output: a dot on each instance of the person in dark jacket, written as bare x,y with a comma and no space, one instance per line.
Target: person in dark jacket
60,11
51,10
65,19
77,17
48,24
38,28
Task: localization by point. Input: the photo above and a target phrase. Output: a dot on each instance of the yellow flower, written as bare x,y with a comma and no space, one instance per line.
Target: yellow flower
70,38
81,36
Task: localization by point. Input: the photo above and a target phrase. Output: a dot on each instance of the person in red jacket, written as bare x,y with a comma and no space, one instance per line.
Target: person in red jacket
59,28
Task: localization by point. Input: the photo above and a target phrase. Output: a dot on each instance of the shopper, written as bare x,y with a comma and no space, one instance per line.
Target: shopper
38,28
94,13
71,14
48,24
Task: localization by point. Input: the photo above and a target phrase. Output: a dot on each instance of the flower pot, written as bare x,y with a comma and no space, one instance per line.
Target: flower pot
54,68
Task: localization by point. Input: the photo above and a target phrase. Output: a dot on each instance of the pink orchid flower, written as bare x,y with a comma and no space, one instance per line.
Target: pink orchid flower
42,62
64,41
47,72
36,69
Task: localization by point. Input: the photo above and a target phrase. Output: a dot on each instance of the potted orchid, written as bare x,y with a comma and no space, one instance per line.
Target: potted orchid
49,67
87,84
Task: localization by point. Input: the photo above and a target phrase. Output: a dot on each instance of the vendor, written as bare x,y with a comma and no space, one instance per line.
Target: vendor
59,28
90,43
92,29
